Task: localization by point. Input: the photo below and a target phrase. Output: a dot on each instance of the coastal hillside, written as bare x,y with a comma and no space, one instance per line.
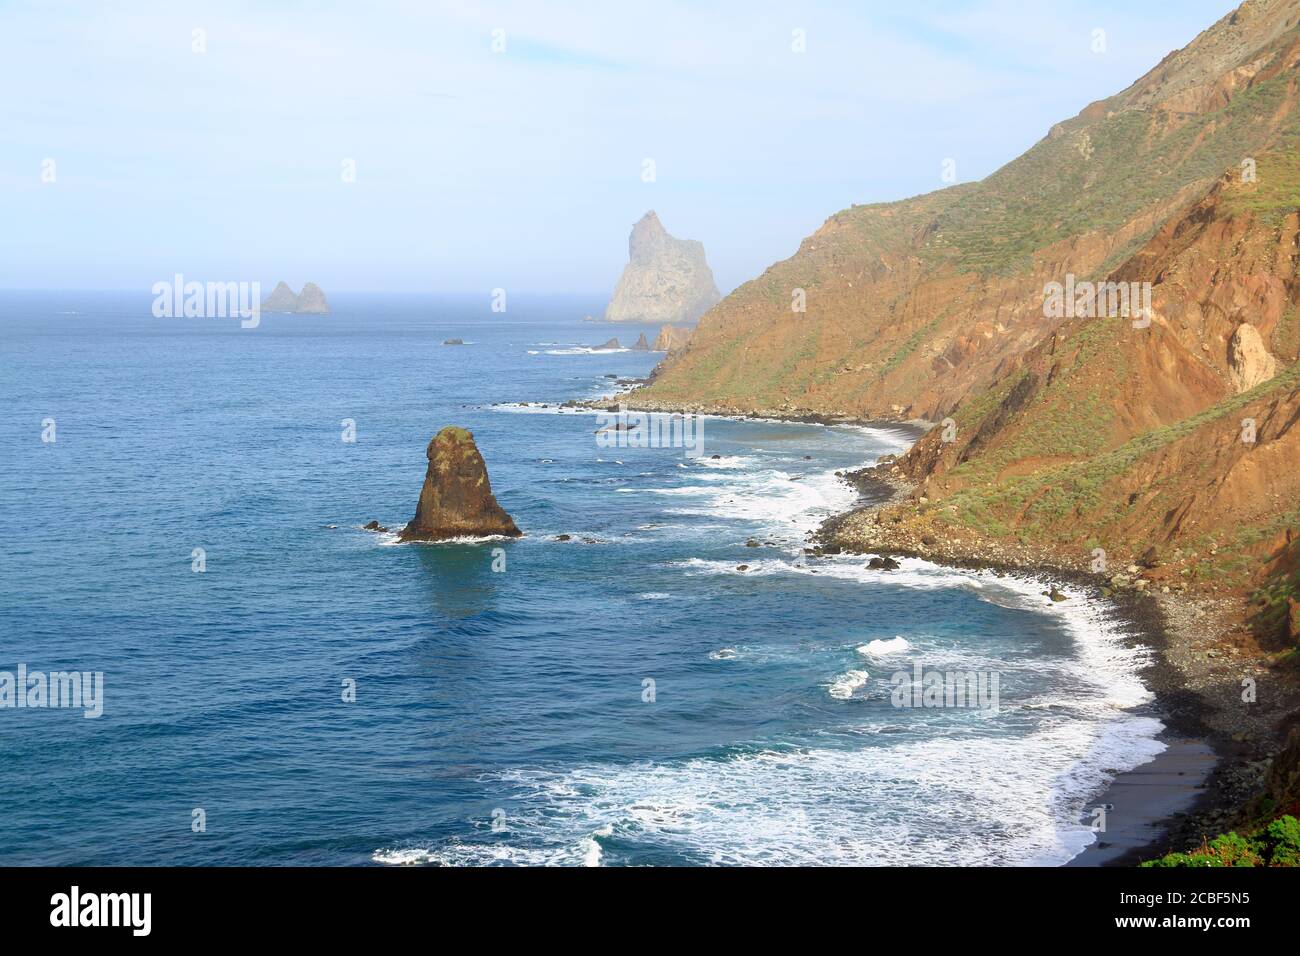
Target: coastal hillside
1159,459
909,309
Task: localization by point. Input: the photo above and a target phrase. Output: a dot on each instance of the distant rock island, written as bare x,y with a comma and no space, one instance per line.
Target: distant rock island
456,500
665,280
311,301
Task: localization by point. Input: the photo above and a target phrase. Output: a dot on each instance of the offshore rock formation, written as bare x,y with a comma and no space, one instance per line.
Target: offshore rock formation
671,338
665,280
311,301
456,500
281,299
641,344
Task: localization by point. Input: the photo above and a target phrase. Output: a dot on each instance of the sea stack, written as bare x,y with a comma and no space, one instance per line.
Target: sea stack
281,299
311,301
456,500
666,279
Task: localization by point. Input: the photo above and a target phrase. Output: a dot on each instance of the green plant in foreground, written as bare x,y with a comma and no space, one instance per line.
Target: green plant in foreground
1277,844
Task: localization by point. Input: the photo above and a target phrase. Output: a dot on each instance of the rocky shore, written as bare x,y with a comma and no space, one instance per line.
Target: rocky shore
1203,648
1203,651
1205,659
634,401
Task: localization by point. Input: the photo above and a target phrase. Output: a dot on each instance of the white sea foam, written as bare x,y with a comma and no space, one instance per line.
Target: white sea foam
883,648
968,801
970,797
390,539
584,350
842,687
726,461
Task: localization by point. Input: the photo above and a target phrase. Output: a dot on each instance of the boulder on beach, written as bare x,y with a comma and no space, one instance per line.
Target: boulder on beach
456,500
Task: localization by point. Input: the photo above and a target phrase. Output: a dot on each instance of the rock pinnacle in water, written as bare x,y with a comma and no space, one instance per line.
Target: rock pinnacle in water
456,500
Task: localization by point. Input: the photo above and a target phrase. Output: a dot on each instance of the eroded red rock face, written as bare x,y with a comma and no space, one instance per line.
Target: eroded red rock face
456,500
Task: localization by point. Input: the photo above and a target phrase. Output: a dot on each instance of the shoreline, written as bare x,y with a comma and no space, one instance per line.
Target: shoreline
1218,753
611,403
1210,770
1217,756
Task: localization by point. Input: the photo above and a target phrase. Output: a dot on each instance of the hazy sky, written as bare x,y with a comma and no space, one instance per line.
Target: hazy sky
520,169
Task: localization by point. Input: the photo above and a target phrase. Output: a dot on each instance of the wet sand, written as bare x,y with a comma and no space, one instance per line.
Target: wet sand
1144,803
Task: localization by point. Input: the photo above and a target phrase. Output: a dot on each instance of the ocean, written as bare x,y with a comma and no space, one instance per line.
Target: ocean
281,687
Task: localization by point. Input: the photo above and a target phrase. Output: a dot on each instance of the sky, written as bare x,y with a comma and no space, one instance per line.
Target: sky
462,147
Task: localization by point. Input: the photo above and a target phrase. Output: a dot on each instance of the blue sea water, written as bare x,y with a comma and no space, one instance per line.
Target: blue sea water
500,716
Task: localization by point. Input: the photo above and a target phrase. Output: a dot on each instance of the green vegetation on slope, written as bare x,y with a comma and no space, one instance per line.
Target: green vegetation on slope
1043,498
1101,176
1277,844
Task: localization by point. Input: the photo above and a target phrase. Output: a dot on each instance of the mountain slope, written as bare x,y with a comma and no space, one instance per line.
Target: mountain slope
913,306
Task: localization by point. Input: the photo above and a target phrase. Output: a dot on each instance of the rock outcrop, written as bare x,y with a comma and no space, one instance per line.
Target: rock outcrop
611,344
281,299
1249,362
456,500
671,338
311,301
641,344
665,280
